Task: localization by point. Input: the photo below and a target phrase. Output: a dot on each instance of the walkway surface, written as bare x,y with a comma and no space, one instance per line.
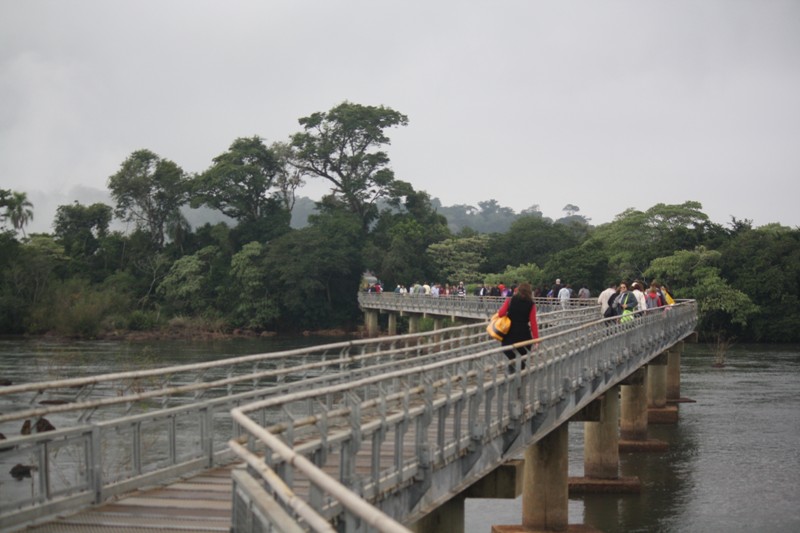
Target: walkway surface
199,503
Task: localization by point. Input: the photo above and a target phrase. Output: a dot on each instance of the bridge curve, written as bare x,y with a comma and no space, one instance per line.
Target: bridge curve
445,400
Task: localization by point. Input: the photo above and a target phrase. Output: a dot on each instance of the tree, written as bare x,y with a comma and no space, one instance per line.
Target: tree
634,238
764,263
18,209
186,286
315,272
254,305
149,191
396,247
78,227
696,274
342,146
289,177
585,264
244,184
460,259
570,209
530,239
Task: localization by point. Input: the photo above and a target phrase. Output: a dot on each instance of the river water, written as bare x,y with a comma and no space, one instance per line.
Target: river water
733,462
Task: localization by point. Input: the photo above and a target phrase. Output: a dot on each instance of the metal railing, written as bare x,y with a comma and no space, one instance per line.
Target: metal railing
468,306
321,456
117,432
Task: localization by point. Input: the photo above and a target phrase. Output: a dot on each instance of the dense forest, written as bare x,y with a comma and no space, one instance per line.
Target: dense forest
258,272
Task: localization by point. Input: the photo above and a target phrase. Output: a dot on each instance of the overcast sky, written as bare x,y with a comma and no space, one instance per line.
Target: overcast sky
605,105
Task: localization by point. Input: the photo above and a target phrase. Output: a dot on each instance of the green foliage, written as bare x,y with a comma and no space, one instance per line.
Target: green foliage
149,191
17,209
695,274
75,308
186,286
521,273
586,264
635,238
764,263
80,230
396,247
247,183
315,272
531,239
140,320
254,307
342,146
460,259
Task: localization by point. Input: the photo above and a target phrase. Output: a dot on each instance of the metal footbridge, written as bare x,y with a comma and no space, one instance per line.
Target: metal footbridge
365,435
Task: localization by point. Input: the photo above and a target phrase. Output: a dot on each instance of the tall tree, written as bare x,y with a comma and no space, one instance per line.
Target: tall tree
18,210
315,271
78,227
149,191
343,146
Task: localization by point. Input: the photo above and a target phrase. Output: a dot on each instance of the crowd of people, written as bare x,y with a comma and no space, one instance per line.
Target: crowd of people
617,300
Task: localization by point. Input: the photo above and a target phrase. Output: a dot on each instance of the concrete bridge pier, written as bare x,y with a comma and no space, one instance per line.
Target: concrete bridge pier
601,450
633,416
545,487
658,412
413,323
371,323
392,326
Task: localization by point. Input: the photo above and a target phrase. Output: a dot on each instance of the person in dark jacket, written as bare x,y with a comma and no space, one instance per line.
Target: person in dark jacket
625,303
522,312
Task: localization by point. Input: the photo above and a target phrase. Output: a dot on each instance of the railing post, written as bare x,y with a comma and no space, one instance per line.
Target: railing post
96,464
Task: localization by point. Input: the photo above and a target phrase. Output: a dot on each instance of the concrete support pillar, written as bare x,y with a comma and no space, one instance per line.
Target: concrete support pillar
371,323
633,407
601,440
545,490
392,328
657,382
413,323
674,372
447,518
438,323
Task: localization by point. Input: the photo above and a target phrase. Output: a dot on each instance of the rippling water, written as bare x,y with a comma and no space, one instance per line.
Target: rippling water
733,462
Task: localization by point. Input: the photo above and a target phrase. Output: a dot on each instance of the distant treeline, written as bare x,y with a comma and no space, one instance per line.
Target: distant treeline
260,273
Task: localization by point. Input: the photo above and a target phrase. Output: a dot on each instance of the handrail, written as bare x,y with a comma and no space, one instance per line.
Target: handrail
147,426
474,389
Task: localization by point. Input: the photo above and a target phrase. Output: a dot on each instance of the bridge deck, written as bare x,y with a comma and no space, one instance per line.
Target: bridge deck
198,503
202,502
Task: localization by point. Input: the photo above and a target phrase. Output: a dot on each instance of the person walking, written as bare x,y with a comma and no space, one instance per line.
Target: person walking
522,312
605,299
626,303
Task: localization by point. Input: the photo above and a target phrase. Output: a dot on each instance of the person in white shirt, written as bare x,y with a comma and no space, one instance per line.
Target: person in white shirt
564,295
605,296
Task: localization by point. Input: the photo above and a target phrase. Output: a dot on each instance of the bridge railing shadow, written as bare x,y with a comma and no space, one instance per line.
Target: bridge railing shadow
445,422
114,433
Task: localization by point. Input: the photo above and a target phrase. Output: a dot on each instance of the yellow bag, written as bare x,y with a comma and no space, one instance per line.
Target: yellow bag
667,297
498,326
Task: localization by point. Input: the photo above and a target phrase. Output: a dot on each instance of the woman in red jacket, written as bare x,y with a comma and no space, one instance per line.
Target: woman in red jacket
522,312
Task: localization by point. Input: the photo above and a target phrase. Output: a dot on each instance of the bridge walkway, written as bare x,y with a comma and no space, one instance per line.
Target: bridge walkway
131,430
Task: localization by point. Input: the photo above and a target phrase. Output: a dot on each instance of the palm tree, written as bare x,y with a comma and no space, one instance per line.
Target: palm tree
19,210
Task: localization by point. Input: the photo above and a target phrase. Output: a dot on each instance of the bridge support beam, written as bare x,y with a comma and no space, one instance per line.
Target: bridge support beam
601,451
392,327
658,412
413,323
674,372
371,323
633,416
545,491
